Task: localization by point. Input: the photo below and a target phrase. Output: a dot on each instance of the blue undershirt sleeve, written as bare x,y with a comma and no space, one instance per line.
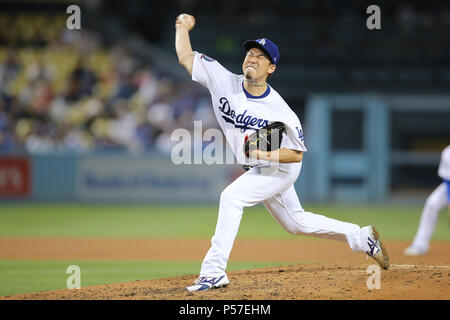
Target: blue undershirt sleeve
447,183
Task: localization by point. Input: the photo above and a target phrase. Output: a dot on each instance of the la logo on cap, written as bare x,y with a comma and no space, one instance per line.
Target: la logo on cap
262,41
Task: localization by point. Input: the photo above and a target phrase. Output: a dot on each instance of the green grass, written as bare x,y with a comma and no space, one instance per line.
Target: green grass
162,221
24,276
130,221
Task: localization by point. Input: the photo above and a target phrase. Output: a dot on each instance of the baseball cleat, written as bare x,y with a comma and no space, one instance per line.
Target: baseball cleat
205,283
376,249
414,251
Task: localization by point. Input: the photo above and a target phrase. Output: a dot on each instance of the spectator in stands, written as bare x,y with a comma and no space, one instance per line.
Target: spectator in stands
9,70
81,81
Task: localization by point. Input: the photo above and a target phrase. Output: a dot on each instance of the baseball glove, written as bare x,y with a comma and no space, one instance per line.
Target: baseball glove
262,138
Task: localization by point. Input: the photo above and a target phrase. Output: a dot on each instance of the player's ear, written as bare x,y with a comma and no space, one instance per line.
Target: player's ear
272,68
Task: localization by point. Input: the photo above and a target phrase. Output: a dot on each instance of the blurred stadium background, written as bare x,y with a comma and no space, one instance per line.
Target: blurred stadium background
86,115
374,103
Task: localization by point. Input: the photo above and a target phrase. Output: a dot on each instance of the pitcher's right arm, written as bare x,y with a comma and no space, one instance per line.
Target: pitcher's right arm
183,25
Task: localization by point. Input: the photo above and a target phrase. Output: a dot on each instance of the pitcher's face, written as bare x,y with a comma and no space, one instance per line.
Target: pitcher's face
257,65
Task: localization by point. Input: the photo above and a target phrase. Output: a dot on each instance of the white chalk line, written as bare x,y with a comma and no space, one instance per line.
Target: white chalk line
411,266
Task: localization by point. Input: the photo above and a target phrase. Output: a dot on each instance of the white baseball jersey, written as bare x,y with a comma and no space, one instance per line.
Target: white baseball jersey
238,113
444,165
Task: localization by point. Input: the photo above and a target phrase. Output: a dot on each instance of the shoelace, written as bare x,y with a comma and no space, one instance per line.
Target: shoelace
199,280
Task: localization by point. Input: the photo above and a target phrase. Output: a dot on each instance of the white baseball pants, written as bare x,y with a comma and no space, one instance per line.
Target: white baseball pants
435,202
274,188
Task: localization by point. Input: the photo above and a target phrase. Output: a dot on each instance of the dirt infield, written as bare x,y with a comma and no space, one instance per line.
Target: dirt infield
326,269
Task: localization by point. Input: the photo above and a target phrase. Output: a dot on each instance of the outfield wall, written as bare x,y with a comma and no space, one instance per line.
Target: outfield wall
111,178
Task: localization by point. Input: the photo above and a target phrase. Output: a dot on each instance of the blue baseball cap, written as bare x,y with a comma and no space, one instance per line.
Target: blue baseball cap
266,45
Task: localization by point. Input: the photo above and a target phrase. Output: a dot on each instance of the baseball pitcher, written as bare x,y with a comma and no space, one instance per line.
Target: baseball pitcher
267,138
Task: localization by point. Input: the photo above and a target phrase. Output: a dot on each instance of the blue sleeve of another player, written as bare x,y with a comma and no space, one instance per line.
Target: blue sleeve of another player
447,183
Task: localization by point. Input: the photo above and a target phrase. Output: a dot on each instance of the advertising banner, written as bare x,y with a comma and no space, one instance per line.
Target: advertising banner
152,178
15,177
